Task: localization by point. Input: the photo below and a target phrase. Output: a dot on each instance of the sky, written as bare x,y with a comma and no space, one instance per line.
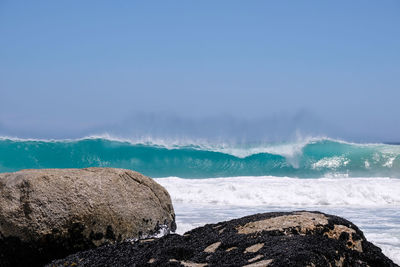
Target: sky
264,69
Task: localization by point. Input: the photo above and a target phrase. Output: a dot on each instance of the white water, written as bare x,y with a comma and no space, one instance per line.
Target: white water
282,191
373,204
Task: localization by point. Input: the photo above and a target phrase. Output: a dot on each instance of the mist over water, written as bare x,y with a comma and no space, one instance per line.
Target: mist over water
223,128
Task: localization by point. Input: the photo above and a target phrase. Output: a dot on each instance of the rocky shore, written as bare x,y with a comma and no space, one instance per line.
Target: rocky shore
107,217
269,239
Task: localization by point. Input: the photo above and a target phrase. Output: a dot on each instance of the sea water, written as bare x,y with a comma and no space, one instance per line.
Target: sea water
211,182
373,204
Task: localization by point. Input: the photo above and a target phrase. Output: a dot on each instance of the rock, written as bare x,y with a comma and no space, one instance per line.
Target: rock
51,213
269,239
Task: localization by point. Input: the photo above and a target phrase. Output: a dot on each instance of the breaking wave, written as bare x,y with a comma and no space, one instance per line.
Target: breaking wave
311,158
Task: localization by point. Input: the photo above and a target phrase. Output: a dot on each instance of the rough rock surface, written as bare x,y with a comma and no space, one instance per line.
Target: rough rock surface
269,239
51,213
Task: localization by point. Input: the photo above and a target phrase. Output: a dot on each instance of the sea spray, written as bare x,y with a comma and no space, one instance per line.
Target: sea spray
312,158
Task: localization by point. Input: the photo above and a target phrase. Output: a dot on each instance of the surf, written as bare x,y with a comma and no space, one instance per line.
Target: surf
310,158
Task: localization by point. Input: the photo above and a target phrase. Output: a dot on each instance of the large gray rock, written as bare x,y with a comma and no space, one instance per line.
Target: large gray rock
50,213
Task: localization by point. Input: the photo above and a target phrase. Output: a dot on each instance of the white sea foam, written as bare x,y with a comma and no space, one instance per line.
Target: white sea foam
389,244
389,162
331,163
371,203
282,191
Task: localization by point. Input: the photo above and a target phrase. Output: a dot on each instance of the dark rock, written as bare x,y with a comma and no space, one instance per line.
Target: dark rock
269,239
49,214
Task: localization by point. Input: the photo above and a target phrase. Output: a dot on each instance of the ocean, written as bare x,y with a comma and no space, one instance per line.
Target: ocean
211,182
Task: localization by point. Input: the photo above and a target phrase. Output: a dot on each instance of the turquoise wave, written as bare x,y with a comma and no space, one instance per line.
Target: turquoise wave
316,158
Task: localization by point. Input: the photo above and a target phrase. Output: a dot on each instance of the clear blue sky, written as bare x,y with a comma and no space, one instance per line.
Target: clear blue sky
73,67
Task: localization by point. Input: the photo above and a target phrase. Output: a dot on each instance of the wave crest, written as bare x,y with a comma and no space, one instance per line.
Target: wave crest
311,157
